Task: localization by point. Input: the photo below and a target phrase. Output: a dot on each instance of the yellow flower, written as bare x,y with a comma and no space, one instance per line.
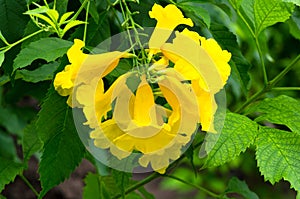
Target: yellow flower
87,66
168,19
206,64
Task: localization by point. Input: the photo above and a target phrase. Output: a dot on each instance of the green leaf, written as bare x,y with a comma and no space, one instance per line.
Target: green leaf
31,142
3,38
277,155
10,121
279,110
237,135
72,24
8,171
195,11
40,10
65,17
95,186
63,149
296,2
265,13
240,187
294,25
48,49
236,3
122,180
2,56
239,64
45,72
7,147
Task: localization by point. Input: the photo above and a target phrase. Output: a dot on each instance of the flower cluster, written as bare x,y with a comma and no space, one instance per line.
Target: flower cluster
186,73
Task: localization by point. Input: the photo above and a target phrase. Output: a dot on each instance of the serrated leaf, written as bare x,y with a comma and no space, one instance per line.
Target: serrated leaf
48,49
240,187
8,171
296,2
237,135
63,149
45,72
279,110
95,187
277,155
31,142
270,12
241,66
195,11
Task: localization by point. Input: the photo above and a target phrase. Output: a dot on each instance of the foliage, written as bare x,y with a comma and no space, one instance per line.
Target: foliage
263,115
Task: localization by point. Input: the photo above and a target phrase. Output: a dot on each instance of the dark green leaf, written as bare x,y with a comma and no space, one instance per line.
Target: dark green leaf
240,66
61,6
7,146
240,187
122,180
8,171
10,121
48,49
237,135
63,149
95,186
277,155
195,11
31,141
279,110
45,72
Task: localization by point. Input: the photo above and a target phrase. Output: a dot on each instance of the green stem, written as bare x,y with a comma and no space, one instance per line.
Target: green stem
261,57
79,10
86,21
285,71
139,184
29,185
270,85
208,192
286,89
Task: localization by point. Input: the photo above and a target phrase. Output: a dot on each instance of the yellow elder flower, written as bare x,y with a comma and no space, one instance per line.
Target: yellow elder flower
206,64
102,64
168,18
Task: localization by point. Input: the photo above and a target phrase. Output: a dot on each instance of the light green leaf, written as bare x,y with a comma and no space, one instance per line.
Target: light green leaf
72,24
277,155
279,110
63,149
270,12
237,135
236,3
65,17
40,10
8,171
296,2
95,186
53,14
31,142
2,56
240,187
48,49
195,11
45,72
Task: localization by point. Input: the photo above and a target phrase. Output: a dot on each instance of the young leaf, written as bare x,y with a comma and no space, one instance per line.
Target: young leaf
48,49
276,154
240,187
8,171
237,135
65,17
72,24
1,57
63,149
31,142
40,10
45,72
279,110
